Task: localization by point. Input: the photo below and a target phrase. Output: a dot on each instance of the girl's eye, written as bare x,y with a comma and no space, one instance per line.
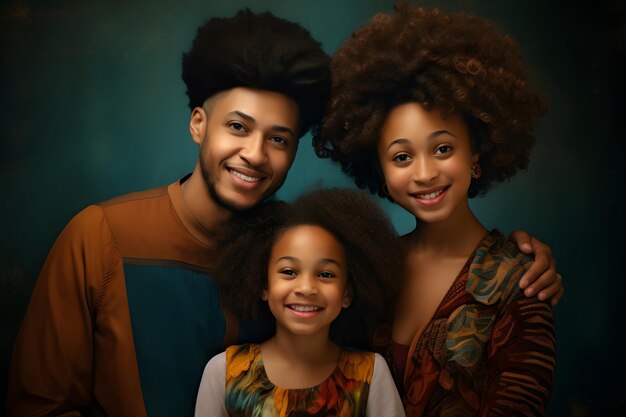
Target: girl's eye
401,158
326,275
443,149
288,272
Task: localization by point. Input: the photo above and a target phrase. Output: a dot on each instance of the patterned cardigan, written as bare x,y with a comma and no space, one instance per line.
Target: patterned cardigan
488,350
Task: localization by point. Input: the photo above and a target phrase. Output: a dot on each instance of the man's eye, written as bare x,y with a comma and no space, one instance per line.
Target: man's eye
279,140
237,126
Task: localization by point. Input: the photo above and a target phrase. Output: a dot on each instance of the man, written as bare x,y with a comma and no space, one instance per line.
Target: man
125,313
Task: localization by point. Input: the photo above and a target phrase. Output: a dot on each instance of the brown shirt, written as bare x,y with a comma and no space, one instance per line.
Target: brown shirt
77,349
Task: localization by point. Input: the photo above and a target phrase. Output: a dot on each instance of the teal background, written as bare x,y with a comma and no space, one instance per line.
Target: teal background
93,106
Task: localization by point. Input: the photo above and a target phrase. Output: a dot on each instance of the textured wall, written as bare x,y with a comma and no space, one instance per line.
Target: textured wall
92,106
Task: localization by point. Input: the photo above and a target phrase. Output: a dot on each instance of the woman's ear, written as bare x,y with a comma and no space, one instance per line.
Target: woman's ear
264,295
347,298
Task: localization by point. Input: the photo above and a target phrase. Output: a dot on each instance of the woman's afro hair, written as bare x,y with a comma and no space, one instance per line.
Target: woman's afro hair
455,63
258,51
372,250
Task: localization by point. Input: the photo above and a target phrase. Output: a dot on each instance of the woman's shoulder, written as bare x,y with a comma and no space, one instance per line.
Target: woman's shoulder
496,269
496,249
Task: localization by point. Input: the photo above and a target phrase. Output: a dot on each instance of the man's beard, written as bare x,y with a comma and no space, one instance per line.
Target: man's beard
213,192
216,197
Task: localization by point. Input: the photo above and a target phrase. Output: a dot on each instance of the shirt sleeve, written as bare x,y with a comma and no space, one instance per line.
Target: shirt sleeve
210,401
51,365
383,399
521,359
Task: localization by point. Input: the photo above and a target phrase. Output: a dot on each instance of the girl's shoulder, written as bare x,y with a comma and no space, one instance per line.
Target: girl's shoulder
240,358
357,364
243,349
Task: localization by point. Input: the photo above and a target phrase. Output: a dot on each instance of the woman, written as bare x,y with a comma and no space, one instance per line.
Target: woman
430,109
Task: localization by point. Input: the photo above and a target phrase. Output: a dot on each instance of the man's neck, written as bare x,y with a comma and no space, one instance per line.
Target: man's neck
206,216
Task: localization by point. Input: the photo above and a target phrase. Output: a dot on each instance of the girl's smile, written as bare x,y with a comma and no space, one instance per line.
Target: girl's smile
307,280
426,161
432,197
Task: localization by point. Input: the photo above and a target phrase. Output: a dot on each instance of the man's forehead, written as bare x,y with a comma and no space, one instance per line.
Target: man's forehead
255,105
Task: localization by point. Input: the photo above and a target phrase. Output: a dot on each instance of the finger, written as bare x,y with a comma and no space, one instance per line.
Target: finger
541,265
549,291
554,300
543,283
522,240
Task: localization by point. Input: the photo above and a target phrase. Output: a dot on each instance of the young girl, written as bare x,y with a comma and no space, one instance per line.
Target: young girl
430,109
330,267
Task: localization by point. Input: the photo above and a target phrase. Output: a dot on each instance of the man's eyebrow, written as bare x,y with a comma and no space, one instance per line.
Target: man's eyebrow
247,117
283,129
250,119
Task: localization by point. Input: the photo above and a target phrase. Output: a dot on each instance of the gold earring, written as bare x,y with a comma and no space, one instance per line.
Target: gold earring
476,170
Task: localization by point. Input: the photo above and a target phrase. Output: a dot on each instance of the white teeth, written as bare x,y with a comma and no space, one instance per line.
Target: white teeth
245,177
430,196
304,308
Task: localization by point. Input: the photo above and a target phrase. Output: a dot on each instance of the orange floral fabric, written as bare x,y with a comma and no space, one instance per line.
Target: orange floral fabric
249,392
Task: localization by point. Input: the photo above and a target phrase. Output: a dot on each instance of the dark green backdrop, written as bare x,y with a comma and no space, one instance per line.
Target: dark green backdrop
92,106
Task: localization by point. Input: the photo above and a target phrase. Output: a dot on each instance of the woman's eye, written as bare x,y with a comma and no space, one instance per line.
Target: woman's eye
443,149
326,275
401,158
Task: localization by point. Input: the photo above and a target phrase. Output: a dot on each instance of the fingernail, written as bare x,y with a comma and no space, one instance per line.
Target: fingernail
529,292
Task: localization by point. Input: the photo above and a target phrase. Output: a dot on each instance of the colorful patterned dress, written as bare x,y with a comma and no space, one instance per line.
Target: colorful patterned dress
488,350
249,392
235,384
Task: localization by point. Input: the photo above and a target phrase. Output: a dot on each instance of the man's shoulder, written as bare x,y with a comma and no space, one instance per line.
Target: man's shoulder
95,216
136,197
138,208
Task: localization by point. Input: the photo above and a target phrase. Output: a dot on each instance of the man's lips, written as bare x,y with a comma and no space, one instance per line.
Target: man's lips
246,175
